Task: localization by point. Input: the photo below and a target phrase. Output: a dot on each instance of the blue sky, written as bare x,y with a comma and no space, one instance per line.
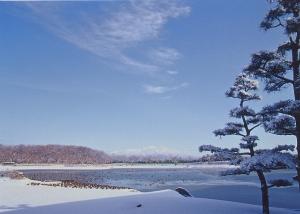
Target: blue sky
117,75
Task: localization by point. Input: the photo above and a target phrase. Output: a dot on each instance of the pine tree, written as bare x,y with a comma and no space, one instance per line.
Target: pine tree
253,160
280,69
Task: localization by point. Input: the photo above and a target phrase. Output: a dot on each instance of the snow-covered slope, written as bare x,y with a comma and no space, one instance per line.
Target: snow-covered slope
18,198
15,194
166,201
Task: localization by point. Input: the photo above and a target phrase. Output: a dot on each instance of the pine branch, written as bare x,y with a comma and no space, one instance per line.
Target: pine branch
277,76
254,127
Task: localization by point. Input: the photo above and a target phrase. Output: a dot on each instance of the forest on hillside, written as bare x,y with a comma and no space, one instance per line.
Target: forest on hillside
59,154
70,154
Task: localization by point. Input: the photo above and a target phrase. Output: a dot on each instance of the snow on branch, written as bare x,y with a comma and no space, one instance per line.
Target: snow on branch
289,107
250,138
254,120
281,125
271,67
268,160
230,129
242,111
275,83
285,15
286,147
231,155
292,25
242,88
265,161
249,142
284,48
214,149
209,148
272,19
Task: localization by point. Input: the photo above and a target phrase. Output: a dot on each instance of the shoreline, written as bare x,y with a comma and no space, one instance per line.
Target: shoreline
17,171
113,166
18,175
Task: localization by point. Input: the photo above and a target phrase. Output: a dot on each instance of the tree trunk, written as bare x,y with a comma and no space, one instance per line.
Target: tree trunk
296,78
298,149
264,192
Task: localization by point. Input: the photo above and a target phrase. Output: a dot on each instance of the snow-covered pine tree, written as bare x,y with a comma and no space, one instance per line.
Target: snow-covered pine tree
251,160
281,68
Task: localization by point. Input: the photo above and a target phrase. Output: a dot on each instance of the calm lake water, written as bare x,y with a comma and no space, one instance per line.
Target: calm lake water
200,182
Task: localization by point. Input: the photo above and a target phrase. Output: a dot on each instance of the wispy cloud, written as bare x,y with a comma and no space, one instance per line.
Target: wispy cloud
132,23
172,72
159,89
165,56
119,34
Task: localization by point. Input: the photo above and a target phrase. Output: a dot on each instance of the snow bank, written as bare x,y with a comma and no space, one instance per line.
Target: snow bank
18,198
17,194
166,201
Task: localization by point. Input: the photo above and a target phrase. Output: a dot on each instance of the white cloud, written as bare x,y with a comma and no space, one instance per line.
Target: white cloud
172,72
109,37
157,89
167,56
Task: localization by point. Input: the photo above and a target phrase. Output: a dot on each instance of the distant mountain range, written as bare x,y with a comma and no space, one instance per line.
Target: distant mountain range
67,154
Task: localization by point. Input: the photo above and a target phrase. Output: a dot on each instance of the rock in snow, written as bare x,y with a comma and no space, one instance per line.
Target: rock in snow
183,192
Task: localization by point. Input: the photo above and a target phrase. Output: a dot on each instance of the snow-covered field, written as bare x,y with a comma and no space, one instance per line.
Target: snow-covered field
16,196
19,198
111,166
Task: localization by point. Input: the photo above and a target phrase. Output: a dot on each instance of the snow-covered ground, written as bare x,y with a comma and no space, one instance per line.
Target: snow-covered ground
19,198
15,194
111,166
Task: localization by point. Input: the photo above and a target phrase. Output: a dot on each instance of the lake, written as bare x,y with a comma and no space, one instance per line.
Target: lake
200,182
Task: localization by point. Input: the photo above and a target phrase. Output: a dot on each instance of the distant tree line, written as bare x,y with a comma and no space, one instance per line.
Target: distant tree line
52,154
69,154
